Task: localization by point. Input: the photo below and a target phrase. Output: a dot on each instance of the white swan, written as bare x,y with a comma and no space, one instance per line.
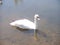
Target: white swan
25,23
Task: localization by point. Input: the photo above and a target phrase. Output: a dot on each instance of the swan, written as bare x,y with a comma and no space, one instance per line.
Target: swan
25,23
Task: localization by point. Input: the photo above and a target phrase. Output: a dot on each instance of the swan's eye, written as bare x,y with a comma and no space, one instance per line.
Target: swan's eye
37,17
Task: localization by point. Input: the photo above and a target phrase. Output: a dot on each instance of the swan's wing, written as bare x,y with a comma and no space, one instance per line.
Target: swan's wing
24,23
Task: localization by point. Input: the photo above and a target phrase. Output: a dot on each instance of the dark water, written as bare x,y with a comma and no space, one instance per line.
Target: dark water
49,25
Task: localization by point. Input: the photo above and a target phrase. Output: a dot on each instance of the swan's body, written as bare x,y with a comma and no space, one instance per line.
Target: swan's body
25,23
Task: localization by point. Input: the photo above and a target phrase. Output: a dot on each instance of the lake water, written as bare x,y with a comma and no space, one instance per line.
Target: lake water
48,27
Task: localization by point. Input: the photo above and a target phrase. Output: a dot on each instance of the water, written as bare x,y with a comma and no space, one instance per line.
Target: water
49,25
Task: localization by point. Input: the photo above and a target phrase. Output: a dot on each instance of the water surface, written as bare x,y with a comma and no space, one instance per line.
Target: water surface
49,25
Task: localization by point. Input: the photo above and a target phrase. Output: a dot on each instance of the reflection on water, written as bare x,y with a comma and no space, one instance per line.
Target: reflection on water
18,1
49,25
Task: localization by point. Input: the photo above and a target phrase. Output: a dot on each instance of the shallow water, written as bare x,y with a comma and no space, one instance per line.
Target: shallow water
48,28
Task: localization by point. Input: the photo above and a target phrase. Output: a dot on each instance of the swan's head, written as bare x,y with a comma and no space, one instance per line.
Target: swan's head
37,17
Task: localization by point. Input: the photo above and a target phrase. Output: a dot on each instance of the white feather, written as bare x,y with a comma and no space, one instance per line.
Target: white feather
24,23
